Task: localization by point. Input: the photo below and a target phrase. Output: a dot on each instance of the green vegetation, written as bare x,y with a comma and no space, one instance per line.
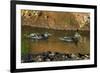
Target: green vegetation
24,47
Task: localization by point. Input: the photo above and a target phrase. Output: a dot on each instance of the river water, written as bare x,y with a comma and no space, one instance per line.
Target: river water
53,43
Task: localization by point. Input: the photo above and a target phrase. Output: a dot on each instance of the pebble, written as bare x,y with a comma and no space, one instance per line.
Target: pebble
53,56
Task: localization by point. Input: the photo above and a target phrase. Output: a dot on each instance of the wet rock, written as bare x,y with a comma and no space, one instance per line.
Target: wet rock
53,56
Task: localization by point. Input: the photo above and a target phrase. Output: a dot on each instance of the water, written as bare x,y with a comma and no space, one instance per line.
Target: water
53,44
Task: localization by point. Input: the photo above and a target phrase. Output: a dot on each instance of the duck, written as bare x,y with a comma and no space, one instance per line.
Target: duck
74,38
37,36
66,39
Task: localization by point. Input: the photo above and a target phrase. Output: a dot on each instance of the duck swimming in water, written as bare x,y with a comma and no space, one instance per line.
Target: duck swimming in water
74,38
36,36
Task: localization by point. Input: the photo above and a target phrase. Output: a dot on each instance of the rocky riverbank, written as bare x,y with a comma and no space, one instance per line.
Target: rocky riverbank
53,56
56,20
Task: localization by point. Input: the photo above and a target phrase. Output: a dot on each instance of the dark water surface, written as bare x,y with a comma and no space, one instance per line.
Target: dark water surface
53,44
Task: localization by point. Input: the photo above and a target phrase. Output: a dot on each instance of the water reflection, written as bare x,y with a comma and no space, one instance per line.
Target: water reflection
53,44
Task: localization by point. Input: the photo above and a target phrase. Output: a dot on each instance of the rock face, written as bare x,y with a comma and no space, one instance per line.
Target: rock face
55,20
